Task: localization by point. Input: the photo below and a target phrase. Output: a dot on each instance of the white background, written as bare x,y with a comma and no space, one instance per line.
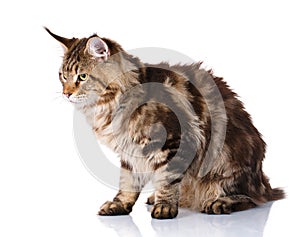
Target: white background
45,189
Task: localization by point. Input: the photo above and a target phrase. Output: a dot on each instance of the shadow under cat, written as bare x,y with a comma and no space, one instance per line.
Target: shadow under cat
249,223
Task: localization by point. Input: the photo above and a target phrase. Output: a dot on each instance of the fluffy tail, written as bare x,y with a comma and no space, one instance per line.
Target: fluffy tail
276,194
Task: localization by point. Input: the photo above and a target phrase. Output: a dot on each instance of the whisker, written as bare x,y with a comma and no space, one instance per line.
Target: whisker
58,97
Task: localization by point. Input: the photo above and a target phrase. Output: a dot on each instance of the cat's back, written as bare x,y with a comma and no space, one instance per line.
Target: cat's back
204,91
189,79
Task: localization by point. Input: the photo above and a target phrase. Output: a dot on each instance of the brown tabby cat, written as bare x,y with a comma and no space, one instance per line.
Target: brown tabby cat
178,126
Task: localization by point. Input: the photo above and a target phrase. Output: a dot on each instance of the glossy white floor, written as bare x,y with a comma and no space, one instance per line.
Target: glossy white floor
257,222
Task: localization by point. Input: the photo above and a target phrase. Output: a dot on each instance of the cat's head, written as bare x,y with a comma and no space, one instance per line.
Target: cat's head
87,69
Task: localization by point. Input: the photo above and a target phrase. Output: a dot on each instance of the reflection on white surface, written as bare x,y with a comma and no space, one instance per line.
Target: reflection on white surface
122,225
188,223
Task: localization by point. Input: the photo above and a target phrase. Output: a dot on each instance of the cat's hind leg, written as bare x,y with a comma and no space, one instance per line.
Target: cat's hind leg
151,199
228,204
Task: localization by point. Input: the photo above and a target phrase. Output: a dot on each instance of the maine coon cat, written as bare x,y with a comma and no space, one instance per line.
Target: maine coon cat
179,127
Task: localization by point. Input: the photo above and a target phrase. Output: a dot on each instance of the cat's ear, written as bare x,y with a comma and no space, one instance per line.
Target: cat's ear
98,48
65,42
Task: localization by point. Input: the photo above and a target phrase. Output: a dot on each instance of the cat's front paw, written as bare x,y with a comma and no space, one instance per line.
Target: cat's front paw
164,211
112,209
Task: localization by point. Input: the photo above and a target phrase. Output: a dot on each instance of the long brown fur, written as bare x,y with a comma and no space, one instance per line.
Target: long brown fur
162,120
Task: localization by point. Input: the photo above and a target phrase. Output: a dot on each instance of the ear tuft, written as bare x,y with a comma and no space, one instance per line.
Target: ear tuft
98,48
66,43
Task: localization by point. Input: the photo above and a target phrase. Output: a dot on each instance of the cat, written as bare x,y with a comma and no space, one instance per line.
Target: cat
180,127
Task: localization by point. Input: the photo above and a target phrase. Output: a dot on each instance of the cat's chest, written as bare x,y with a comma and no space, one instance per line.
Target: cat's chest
120,133
99,119
109,129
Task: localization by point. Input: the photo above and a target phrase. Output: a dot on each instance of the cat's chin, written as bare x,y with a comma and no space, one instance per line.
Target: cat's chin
81,100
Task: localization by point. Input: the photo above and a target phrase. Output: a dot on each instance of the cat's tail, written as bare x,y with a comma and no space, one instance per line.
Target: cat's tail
276,194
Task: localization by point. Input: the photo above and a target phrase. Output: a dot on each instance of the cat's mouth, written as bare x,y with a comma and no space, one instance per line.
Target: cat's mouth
78,99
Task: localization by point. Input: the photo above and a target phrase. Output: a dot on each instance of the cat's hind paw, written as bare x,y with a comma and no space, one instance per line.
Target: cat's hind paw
150,200
226,205
217,207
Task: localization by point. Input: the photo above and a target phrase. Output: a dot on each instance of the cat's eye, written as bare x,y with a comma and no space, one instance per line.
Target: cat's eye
82,77
64,77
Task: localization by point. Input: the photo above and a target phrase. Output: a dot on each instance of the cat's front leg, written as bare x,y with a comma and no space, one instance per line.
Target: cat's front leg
126,197
121,205
166,202
166,181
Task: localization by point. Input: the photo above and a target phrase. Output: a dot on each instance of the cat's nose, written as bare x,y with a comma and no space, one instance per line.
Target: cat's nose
67,94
